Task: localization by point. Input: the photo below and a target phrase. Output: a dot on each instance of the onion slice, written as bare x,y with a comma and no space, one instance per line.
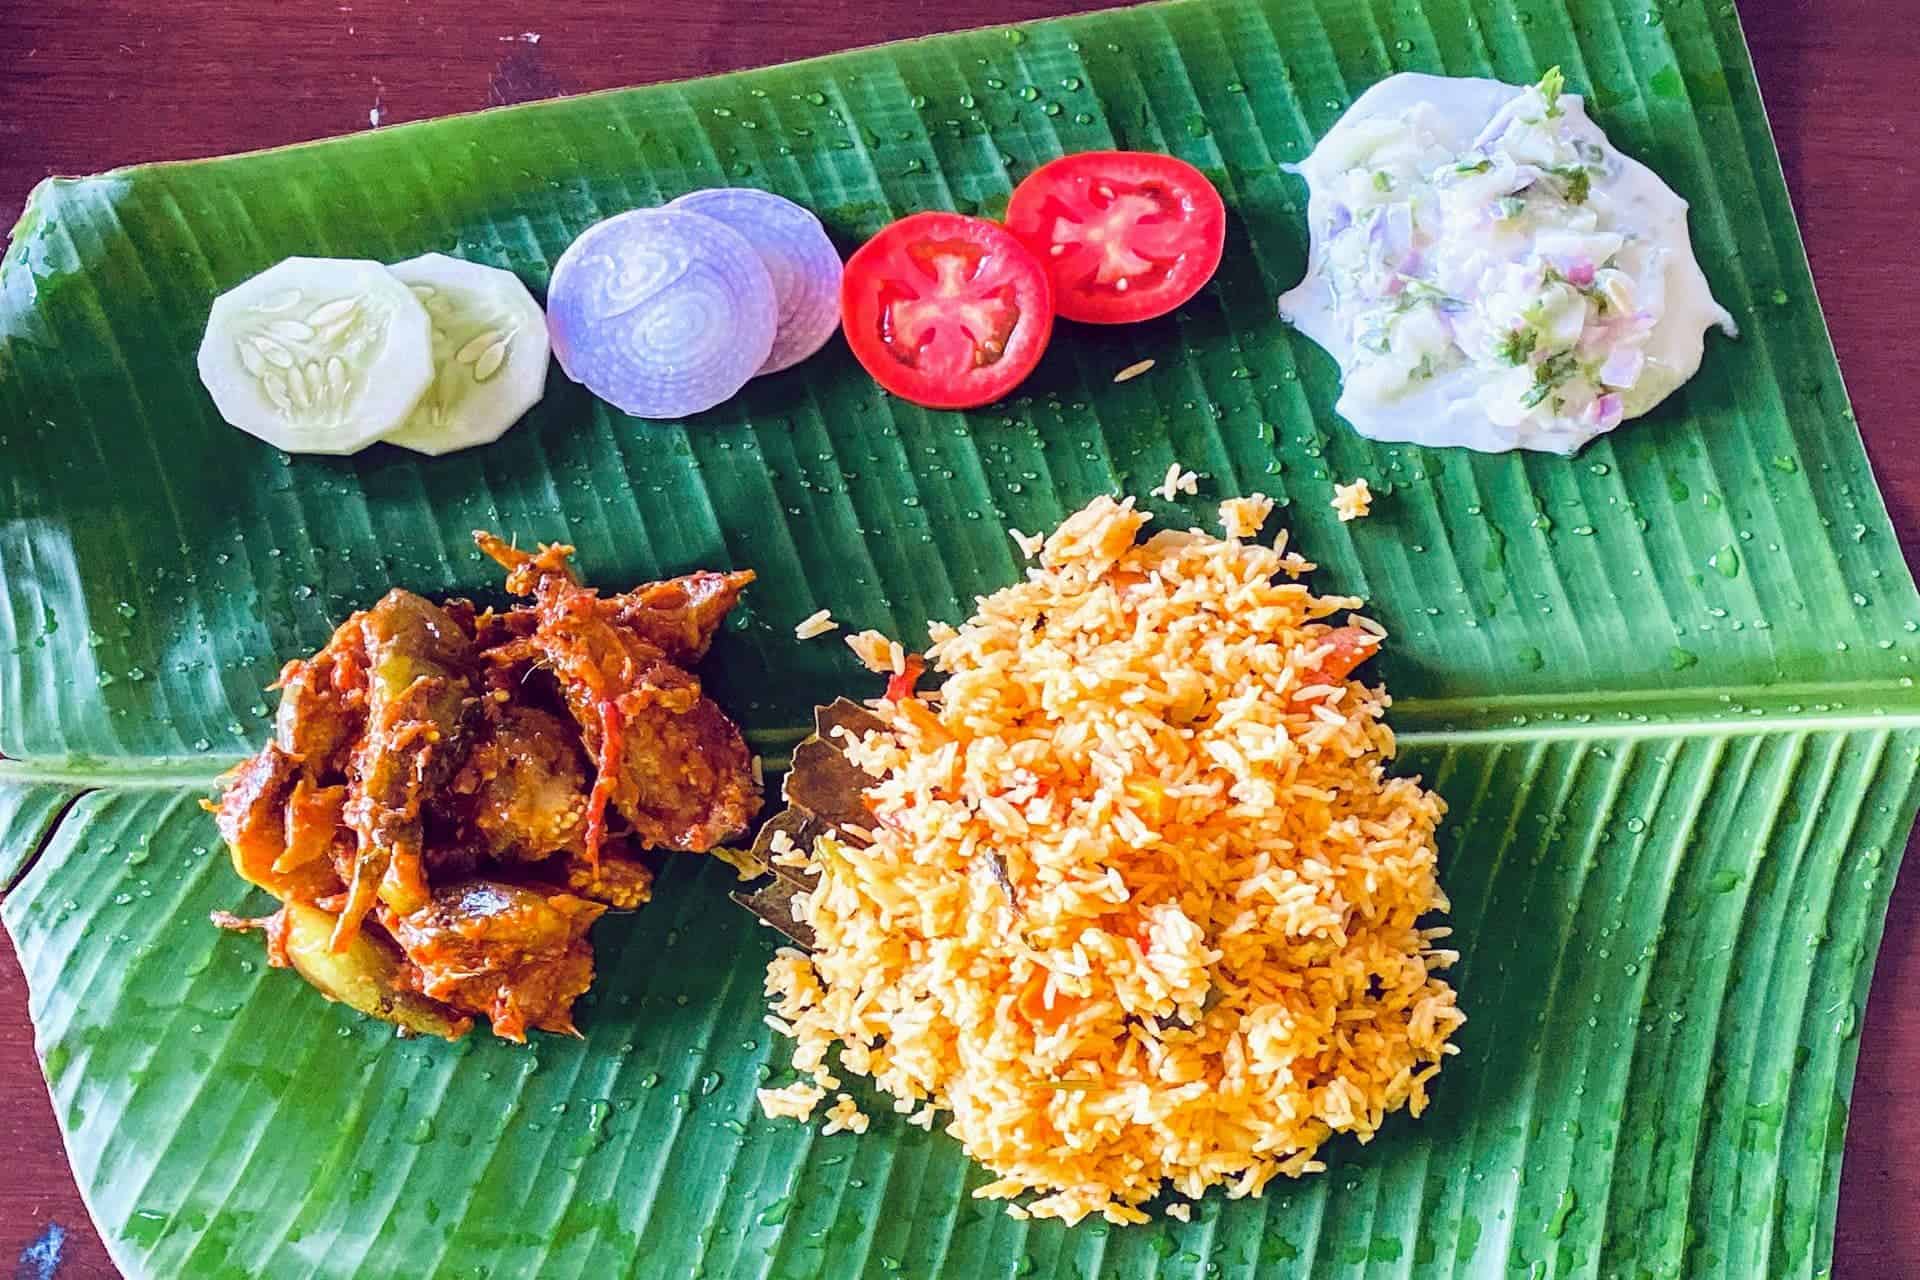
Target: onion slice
798,255
662,312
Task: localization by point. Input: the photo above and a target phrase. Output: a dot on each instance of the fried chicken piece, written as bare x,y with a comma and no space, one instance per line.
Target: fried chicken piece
426,749
617,879
690,607
446,862
417,701
521,795
279,822
667,759
252,816
313,826
516,954
323,703
676,767
681,615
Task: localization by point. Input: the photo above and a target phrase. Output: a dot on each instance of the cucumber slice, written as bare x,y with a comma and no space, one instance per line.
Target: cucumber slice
317,355
489,353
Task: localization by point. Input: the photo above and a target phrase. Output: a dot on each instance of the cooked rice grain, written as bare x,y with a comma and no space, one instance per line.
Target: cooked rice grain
1242,517
1177,482
815,624
796,1100
1135,914
1353,501
874,650
844,1116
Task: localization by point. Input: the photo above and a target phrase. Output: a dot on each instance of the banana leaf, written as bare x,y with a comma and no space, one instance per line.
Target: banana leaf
1665,685
27,812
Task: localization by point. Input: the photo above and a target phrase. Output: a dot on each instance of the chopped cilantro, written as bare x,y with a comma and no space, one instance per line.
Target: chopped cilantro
1578,180
1415,292
1519,344
1473,166
1548,376
1551,86
1507,208
1381,180
1423,370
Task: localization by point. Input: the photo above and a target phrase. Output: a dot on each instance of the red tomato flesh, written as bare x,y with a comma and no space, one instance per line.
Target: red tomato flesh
1351,647
901,684
1125,235
945,310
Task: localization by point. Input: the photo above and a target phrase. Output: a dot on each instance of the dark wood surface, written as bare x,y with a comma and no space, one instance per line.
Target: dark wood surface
87,84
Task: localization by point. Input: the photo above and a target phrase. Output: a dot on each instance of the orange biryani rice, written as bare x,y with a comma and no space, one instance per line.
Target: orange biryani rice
1143,908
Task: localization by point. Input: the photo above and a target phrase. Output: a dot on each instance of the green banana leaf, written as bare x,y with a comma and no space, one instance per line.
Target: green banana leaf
27,812
1664,685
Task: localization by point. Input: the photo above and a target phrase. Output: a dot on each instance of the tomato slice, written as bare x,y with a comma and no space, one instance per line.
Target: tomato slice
1126,235
945,310
1351,647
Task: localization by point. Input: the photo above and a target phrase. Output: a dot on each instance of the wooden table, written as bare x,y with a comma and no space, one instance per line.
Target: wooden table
86,85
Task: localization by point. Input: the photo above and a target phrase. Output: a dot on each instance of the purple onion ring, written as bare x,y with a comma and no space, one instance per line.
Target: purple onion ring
798,255
662,312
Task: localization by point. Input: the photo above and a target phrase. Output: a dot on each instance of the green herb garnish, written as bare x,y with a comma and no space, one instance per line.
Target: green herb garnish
1417,293
1578,179
1381,180
1509,207
1548,376
1558,368
1518,344
1473,166
1551,86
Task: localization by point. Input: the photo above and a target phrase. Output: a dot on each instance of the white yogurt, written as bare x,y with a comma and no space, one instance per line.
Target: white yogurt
1490,272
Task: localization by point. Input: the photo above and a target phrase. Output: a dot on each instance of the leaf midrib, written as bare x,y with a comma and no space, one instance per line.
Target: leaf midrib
1730,711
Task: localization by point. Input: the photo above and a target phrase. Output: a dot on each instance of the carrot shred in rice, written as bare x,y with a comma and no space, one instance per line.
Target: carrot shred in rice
1136,916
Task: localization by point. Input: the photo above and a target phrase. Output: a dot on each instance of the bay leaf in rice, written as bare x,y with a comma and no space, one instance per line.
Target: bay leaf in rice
822,781
773,904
